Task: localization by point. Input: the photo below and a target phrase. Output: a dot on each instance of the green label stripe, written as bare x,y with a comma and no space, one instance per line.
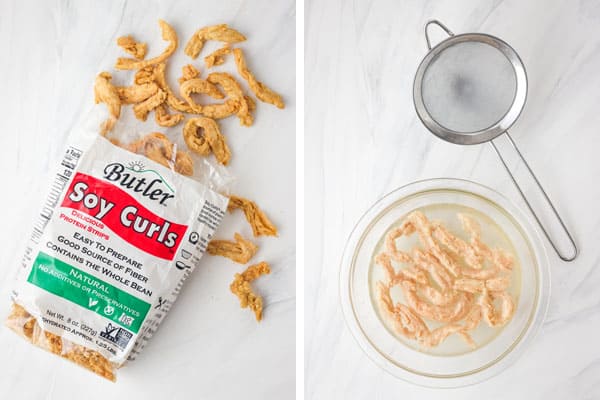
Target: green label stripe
89,292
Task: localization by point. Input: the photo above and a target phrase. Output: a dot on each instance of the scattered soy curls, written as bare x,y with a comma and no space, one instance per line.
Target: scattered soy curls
223,95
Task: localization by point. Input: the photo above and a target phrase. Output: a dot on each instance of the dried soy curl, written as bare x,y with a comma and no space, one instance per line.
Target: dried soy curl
198,85
260,223
172,100
261,90
168,34
136,93
144,75
237,102
242,289
221,33
202,136
136,49
240,251
217,57
188,72
105,92
164,118
141,110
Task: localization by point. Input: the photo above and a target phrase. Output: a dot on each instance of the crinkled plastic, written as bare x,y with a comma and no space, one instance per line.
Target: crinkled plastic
126,220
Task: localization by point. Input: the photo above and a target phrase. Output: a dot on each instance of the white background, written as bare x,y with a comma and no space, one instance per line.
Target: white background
363,139
207,347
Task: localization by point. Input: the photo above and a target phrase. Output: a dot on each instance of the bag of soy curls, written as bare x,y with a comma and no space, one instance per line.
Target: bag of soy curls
119,232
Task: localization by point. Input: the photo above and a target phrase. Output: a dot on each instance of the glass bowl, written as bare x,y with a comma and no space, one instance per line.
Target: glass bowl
446,366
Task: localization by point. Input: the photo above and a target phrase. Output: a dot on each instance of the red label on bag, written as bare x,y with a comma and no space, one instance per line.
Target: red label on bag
124,215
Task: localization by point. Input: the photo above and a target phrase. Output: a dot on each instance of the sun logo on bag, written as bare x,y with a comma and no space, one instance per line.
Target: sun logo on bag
136,166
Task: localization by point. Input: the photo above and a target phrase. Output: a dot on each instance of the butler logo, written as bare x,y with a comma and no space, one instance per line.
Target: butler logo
150,184
123,214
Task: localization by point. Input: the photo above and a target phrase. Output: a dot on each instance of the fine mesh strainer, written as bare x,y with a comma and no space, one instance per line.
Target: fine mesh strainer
469,89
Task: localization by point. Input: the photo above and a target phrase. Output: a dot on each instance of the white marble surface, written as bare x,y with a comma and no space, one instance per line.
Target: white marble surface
363,139
207,348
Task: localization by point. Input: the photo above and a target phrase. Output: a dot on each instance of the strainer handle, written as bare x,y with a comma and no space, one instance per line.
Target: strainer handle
438,23
504,144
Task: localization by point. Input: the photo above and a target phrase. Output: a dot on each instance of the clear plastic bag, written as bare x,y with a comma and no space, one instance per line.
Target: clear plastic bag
126,220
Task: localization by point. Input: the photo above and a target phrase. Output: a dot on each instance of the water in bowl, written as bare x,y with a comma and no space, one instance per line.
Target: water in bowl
491,234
